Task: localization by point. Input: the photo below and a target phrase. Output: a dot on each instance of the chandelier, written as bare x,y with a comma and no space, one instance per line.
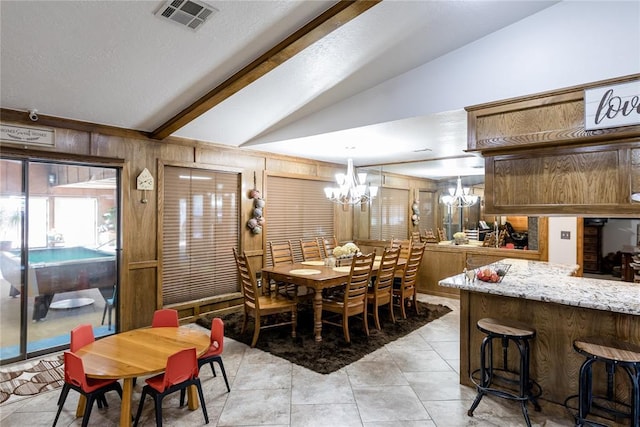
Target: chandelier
351,189
459,197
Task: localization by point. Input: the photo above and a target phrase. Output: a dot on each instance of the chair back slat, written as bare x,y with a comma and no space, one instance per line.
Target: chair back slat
327,245
413,265
359,279
310,250
386,271
281,253
250,289
404,245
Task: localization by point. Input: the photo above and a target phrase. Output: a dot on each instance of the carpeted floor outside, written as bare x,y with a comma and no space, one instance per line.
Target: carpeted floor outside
333,352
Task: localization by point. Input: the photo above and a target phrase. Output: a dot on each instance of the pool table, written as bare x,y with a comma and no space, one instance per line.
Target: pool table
57,270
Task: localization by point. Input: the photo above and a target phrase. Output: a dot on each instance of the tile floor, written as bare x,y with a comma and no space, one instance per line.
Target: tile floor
411,382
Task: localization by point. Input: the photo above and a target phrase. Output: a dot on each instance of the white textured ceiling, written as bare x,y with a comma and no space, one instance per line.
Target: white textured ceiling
115,63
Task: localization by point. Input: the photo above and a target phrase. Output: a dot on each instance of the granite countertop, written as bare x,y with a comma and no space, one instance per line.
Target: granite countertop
542,281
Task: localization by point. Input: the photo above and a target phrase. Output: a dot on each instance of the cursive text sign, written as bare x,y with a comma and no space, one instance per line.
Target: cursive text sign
612,106
29,135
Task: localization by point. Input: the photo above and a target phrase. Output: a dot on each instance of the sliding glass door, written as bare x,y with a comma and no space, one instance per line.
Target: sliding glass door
59,254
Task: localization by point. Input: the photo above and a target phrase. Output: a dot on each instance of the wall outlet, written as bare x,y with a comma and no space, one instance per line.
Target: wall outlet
565,235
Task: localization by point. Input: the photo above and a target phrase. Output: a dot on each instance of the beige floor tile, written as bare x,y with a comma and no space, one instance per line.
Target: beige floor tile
411,382
343,415
389,403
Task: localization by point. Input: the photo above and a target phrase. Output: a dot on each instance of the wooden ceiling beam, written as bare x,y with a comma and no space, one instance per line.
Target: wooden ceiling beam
330,20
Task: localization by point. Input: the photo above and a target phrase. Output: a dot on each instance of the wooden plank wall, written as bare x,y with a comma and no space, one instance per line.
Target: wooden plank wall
132,151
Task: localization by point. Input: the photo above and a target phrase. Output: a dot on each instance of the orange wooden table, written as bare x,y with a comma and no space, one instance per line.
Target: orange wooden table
138,353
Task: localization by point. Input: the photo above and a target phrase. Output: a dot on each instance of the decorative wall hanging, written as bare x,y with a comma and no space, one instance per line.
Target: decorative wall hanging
257,221
415,218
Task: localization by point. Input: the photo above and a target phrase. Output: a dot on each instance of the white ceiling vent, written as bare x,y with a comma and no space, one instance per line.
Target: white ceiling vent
190,13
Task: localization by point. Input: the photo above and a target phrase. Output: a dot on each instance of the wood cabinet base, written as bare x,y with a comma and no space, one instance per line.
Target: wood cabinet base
554,363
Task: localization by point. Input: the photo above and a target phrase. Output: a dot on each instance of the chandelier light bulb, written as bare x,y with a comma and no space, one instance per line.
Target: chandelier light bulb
459,197
352,189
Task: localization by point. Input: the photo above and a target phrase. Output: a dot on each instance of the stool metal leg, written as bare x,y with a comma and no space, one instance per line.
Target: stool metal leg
611,370
634,376
584,391
485,377
513,384
523,348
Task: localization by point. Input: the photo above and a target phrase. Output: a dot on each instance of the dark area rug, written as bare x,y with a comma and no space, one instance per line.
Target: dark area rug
333,352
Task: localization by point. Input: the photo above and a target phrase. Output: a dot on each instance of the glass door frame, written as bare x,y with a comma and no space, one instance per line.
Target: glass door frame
26,162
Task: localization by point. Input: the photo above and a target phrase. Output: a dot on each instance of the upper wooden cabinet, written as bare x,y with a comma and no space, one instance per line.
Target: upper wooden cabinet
540,160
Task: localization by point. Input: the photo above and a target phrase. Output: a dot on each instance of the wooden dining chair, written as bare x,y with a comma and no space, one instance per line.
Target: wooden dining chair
327,245
91,389
415,236
258,306
214,352
354,299
166,317
404,245
180,373
381,293
310,250
281,253
405,289
430,237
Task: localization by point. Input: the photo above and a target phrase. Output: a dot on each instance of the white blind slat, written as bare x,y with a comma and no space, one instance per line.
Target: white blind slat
297,209
200,228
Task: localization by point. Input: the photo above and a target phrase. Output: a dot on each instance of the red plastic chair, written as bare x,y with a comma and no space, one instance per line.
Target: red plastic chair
180,373
165,317
81,336
92,389
214,353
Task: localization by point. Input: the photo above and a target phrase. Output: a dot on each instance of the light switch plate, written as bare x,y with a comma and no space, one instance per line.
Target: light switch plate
565,235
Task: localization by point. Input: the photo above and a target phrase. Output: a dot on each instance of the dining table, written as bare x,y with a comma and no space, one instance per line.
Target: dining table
317,276
138,353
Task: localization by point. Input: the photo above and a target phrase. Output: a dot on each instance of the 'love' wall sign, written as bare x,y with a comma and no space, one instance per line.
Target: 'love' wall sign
612,106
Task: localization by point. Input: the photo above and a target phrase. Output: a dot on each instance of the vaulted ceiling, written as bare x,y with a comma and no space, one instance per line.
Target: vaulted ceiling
305,78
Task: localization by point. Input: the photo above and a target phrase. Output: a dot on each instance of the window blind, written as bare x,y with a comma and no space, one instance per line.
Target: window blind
296,209
200,227
390,214
427,211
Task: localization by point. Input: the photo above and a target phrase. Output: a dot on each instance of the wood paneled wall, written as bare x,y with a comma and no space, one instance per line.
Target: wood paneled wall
132,151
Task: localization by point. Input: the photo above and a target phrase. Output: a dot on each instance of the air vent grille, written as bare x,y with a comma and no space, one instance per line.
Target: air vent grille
189,13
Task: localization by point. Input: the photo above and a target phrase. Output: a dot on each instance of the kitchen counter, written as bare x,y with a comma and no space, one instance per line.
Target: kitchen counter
561,307
542,281
443,260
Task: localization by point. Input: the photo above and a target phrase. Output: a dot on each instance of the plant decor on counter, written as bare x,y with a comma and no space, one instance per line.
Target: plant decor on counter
460,238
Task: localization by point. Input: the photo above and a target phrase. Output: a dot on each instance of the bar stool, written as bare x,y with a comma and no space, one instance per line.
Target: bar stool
501,382
613,353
